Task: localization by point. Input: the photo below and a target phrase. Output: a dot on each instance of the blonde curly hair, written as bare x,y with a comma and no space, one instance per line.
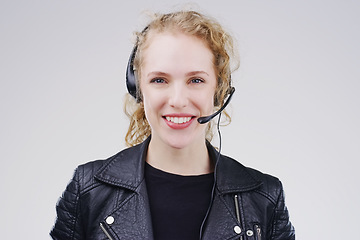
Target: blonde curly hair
194,24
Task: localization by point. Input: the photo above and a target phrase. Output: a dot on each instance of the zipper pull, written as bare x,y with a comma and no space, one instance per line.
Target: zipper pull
237,209
237,212
258,232
103,228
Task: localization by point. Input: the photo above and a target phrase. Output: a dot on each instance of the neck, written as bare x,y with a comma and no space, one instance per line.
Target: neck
191,160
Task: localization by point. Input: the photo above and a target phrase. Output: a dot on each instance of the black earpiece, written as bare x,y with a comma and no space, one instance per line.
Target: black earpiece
130,72
130,75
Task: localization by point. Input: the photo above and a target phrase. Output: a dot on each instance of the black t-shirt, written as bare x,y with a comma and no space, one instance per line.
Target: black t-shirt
178,204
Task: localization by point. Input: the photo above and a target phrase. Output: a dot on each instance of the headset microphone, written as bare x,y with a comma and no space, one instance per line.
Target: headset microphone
206,119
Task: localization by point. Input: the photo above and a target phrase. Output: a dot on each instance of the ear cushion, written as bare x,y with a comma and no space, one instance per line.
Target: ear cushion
130,74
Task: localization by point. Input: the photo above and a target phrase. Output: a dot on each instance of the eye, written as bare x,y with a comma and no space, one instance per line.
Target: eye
157,80
196,80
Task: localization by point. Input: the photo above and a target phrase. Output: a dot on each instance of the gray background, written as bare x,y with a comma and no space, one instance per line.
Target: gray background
295,111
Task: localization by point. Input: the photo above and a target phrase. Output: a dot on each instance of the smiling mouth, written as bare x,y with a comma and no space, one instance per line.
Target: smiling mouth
178,120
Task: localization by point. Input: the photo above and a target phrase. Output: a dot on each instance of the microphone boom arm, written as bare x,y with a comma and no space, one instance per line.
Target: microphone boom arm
206,119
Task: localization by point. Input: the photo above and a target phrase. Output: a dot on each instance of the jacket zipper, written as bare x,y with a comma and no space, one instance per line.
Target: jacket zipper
237,211
258,232
105,231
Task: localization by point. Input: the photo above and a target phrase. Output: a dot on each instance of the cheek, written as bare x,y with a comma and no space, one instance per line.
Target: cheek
149,112
152,104
205,102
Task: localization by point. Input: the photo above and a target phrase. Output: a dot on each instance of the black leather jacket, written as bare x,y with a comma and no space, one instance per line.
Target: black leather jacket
107,199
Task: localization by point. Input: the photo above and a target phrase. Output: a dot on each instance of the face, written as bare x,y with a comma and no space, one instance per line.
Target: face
178,83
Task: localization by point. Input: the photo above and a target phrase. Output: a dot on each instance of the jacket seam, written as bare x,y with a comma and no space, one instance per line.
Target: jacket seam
65,210
59,230
275,209
89,188
237,190
268,196
242,211
123,202
65,200
117,198
77,180
115,183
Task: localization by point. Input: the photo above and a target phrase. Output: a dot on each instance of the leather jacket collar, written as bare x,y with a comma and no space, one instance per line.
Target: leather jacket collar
127,170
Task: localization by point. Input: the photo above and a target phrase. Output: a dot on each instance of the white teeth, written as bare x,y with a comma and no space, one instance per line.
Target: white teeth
178,120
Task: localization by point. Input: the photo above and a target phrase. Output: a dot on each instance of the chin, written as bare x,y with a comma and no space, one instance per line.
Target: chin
183,141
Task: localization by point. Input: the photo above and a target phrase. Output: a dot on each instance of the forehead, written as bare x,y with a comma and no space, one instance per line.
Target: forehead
176,48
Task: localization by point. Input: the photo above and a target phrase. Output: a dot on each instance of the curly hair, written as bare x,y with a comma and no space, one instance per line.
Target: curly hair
195,24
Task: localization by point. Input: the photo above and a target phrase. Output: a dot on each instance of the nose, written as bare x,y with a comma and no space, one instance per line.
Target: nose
178,96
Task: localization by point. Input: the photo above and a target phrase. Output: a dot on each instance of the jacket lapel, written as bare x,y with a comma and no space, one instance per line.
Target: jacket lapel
131,218
126,169
231,176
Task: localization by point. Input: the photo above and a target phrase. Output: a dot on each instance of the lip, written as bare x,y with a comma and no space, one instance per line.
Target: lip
179,126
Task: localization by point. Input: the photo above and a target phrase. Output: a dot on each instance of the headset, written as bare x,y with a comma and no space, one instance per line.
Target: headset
132,89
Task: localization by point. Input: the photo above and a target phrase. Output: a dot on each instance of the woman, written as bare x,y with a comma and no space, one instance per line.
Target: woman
172,184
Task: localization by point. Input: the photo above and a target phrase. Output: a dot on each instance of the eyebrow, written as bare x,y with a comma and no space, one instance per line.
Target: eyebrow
196,73
159,73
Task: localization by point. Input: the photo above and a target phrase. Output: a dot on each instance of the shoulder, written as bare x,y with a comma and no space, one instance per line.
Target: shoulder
268,180
85,173
271,186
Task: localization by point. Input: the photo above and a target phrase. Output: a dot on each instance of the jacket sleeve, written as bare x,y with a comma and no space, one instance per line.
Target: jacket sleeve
282,228
68,224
